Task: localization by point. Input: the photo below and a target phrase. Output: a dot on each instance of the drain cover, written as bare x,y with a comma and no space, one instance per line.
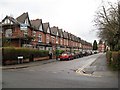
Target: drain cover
87,72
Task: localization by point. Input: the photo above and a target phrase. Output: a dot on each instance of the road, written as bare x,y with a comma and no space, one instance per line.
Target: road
62,74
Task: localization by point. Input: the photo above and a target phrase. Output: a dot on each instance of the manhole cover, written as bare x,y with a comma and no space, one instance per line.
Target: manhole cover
88,72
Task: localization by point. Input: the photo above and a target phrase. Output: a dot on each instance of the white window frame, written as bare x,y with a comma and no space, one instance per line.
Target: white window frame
8,34
34,33
25,33
47,39
61,41
39,38
53,39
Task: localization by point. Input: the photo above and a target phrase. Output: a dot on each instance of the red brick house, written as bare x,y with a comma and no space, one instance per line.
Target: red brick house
66,41
47,31
25,29
23,32
38,34
54,37
101,46
61,40
16,32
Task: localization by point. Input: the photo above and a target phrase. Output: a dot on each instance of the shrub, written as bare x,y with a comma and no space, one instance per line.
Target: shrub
11,53
113,59
108,56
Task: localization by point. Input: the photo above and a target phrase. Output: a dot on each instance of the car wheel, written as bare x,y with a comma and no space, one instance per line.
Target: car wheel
69,58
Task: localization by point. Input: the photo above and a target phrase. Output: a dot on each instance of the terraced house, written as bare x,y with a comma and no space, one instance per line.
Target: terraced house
23,32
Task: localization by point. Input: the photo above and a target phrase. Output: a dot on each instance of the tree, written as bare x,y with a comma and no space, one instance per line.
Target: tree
107,23
95,47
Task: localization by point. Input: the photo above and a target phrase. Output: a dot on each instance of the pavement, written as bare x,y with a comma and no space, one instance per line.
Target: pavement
98,68
25,65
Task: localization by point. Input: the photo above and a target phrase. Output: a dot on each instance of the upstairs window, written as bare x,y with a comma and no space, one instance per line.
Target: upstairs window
53,39
34,33
34,36
57,40
39,38
61,41
47,39
8,33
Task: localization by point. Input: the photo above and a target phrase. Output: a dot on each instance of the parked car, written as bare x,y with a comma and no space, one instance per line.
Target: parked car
84,53
73,55
76,55
66,56
80,54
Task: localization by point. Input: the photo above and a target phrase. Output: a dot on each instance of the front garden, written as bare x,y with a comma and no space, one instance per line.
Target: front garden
10,54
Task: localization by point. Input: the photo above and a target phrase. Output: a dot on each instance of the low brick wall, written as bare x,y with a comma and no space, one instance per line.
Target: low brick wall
12,62
41,58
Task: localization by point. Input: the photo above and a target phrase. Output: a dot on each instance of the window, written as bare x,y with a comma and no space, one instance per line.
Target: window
57,40
8,33
25,33
67,42
52,39
47,39
64,42
61,41
34,33
39,38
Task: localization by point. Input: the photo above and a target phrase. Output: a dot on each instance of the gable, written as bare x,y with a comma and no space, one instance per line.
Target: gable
24,19
40,28
7,21
57,34
48,30
27,22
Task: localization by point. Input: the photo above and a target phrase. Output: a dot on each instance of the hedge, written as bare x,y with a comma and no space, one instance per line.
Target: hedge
11,53
113,59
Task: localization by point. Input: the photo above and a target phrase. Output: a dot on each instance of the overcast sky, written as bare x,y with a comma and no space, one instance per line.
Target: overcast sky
74,16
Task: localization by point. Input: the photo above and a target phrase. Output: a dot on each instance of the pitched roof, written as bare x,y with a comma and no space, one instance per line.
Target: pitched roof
70,36
23,17
65,35
45,27
54,30
60,32
79,39
36,23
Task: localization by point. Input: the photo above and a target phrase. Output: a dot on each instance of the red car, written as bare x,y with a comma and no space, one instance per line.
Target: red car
66,56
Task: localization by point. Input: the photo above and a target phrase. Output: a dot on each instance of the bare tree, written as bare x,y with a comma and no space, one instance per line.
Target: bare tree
106,21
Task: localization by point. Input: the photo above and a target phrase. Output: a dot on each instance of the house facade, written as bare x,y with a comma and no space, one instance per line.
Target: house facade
47,32
39,39
23,32
101,46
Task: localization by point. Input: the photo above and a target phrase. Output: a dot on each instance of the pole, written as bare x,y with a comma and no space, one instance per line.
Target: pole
118,32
